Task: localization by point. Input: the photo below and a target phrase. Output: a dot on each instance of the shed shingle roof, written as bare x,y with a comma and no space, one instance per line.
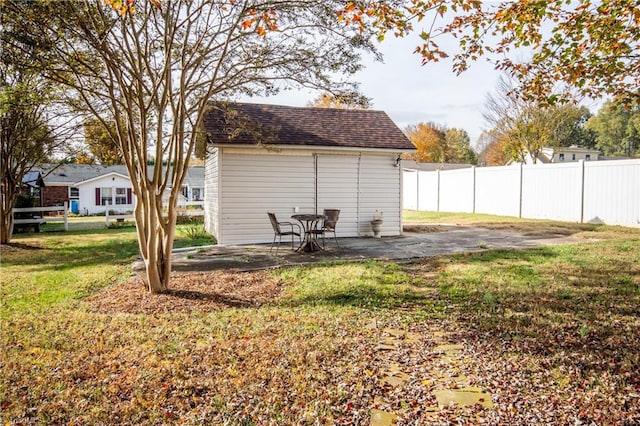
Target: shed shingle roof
251,124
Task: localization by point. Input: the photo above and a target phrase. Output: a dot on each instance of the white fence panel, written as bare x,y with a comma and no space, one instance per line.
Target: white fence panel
428,190
552,191
498,190
457,190
606,191
612,192
410,189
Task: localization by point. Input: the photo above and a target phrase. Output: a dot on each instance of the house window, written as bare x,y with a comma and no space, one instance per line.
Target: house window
74,192
121,195
561,157
106,196
573,157
587,157
185,191
197,194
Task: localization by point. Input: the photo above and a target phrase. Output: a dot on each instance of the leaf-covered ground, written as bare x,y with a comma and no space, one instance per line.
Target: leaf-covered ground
205,292
542,336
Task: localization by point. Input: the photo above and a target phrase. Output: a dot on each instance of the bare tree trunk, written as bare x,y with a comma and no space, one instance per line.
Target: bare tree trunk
6,215
158,265
156,233
6,228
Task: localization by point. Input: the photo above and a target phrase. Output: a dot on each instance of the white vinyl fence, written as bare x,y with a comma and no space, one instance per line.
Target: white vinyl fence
591,191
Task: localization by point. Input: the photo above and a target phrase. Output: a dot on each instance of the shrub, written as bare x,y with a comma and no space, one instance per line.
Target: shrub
195,230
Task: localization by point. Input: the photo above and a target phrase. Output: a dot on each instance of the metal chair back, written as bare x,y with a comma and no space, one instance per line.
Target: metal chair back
274,223
331,217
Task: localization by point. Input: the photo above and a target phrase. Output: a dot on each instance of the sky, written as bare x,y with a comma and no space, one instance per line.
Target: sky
411,93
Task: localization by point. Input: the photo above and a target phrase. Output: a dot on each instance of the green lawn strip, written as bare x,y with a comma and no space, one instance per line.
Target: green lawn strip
526,226
594,273
462,218
40,272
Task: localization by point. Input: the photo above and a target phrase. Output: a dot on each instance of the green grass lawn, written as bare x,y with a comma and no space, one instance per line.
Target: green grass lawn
551,333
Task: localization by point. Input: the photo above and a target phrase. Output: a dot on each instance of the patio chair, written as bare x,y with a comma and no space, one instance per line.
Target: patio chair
328,225
279,233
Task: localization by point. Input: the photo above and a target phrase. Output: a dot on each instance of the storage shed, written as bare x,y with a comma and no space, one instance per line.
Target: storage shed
269,158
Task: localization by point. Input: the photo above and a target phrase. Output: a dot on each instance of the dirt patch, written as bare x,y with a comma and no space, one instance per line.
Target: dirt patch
418,228
211,291
534,228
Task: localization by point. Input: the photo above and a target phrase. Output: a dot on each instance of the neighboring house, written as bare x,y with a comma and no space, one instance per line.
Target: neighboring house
111,190
569,153
89,189
193,185
270,158
63,182
563,154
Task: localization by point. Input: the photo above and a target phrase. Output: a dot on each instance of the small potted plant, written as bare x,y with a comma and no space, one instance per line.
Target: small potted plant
376,224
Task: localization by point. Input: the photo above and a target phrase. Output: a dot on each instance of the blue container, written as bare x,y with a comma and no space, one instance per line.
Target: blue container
75,206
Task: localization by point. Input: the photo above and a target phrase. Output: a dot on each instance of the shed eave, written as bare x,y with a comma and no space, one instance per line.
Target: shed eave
313,148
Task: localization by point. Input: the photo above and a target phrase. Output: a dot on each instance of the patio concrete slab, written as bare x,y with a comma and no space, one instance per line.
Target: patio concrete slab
410,246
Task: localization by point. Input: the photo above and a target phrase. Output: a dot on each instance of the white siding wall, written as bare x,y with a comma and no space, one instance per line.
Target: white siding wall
612,195
337,189
379,190
498,190
250,184
456,190
211,192
87,194
552,191
254,184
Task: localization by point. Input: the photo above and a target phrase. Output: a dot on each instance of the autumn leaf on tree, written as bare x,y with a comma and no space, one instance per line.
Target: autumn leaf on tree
429,141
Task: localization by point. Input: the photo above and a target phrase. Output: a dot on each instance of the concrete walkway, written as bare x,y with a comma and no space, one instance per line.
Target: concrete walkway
445,239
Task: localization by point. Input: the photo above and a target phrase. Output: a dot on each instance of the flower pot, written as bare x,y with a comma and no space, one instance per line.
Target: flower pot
376,226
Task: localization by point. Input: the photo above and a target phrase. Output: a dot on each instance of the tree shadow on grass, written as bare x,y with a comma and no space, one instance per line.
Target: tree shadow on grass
518,300
227,300
111,251
172,302
583,319
13,246
367,298
412,290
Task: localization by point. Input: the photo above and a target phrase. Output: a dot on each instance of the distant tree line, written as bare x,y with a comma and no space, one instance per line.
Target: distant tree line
517,128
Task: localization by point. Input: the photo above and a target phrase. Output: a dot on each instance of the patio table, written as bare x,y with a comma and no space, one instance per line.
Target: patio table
309,222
